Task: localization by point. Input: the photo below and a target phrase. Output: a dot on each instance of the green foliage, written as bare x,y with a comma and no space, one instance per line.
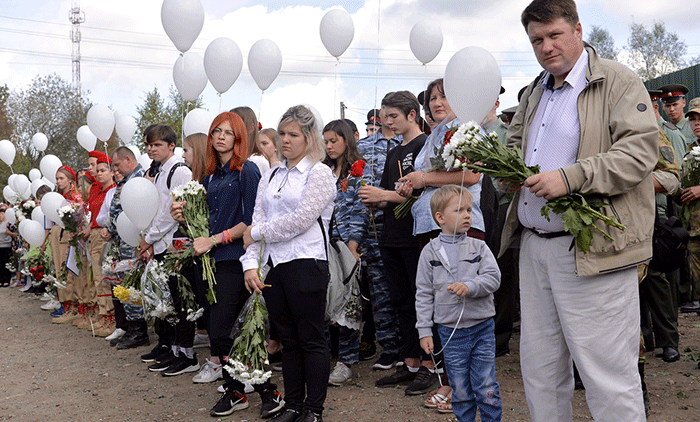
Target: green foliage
655,51
156,110
603,43
681,395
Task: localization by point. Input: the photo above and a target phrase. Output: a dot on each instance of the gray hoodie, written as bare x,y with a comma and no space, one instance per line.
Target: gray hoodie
476,268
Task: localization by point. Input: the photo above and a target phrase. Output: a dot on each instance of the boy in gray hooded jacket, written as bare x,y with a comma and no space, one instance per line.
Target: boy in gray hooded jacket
456,278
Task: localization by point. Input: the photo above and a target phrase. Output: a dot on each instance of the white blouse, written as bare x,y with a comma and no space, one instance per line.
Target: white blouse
286,214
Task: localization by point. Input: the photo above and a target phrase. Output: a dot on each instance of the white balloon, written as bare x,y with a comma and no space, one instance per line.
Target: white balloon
10,195
48,183
36,185
10,215
128,232
20,227
140,201
40,141
189,76
27,193
197,121
126,128
49,166
118,114
34,174
86,138
264,63
11,181
135,150
472,83
100,120
21,184
7,152
38,215
50,204
145,161
179,152
34,231
425,41
183,21
223,62
337,31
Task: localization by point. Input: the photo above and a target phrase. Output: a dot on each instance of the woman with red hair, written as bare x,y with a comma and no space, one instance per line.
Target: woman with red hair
231,183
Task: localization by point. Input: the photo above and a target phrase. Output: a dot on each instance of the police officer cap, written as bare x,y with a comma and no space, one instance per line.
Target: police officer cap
671,93
373,118
694,106
654,94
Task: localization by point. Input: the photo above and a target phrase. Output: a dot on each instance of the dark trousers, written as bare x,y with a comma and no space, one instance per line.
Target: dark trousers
296,302
181,333
401,266
5,274
506,297
659,316
119,314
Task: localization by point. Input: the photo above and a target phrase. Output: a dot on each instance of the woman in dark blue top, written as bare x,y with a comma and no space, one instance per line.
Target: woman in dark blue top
231,183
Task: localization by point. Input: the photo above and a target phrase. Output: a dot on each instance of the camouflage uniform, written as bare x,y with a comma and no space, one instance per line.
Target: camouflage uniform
693,227
659,311
133,312
374,149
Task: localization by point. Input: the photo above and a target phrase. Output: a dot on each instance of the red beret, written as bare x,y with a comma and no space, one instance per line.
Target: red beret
97,154
104,159
69,170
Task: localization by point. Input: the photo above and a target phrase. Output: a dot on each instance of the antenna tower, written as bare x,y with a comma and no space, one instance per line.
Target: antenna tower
76,17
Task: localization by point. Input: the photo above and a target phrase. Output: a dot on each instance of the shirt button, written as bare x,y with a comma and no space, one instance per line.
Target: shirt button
542,124
551,99
525,203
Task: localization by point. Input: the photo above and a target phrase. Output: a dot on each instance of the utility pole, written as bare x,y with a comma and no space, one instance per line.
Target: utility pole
342,110
76,17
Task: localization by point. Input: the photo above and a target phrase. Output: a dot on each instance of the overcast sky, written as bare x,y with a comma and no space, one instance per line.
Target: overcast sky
125,51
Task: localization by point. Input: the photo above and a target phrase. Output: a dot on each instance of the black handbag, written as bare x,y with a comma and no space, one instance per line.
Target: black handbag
670,243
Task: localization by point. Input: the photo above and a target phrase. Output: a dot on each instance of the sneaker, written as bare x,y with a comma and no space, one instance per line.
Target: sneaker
401,376
157,352
367,351
66,317
340,374
58,312
200,340
210,372
310,416
181,366
51,305
386,361
272,403
423,382
46,297
164,364
229,402
686,308
287,415
116,334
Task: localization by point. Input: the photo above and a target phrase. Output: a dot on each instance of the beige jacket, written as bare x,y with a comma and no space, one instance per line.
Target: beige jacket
617,151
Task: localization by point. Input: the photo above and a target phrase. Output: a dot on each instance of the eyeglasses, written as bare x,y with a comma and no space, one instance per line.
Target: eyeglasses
217,132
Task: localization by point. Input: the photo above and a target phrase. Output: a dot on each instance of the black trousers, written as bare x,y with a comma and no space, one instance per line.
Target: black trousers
296,302
401,266
182,333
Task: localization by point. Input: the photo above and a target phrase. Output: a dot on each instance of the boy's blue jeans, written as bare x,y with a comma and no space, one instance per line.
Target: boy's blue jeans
470,361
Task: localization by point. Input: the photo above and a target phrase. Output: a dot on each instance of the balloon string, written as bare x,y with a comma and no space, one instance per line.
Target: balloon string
335,89
219,94
105,144
262,95
376,72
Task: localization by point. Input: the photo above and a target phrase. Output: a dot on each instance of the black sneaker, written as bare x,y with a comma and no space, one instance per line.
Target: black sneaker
229,402
153,354
367,351
181,366
386,361
401,376
164,364
423,382
287,415
310,416
272,403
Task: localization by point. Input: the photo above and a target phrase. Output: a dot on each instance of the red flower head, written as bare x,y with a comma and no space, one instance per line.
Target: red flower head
449,134
358,167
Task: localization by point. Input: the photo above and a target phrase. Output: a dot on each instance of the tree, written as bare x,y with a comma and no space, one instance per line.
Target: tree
5,125
655,52
155,110
49,105
603,43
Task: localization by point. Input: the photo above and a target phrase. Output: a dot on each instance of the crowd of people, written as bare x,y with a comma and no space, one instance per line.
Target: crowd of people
442,251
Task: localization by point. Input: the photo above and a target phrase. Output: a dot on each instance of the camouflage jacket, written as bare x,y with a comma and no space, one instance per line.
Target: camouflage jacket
666,172
115,208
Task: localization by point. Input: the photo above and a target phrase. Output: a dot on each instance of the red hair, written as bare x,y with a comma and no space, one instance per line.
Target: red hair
240,142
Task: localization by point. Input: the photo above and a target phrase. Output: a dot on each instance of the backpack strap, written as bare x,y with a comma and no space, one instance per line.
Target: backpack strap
172,171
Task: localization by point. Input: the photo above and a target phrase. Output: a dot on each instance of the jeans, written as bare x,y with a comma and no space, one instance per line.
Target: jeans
470,361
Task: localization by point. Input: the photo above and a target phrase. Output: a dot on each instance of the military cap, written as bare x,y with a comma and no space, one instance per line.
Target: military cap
693,107
654,94
674,92
373,118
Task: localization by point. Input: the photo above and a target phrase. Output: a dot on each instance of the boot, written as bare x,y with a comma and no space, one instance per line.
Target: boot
645,393
136,336
82,316
89,319
104,326
71,313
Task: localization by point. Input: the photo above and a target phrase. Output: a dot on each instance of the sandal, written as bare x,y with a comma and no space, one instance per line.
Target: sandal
445,407
434,399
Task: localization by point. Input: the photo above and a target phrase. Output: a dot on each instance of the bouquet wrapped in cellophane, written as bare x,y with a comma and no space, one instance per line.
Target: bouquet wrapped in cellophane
469,148
196,214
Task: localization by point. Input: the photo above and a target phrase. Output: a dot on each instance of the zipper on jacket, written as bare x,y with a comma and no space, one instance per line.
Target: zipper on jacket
614,211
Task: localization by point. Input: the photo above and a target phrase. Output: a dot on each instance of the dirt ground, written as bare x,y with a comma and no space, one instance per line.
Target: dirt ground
52,372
